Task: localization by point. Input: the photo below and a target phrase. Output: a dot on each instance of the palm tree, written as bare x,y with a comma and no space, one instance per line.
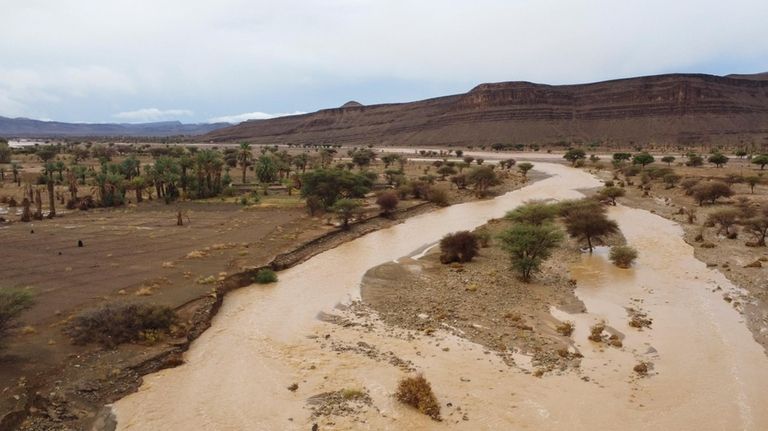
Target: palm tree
244,157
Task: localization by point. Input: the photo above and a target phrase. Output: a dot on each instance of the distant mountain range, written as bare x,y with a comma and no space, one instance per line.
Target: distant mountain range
671,109
27,128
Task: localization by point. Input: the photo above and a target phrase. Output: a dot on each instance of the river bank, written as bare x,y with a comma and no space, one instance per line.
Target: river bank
72,393
266,340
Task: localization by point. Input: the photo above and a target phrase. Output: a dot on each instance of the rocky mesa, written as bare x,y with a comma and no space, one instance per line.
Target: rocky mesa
675,109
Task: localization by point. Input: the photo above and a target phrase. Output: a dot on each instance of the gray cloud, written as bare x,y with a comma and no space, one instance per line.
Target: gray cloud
152,114
80,59
239,118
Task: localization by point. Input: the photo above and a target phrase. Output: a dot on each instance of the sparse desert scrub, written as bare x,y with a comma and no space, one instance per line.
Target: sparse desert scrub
265,276
623,255
12,303
417,392
387,201
114,324
596,332
565,329
458,247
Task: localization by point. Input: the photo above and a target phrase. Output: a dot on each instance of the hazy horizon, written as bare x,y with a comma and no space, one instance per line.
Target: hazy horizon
196,62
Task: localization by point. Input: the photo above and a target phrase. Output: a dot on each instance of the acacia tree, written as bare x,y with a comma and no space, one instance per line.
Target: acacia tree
718,159
524,168
329,185
758,227
668,160
761,160
574,155
724,218
482,177
752,181
611,193
643,159
535,213
588,222
529,245
346,209
710,191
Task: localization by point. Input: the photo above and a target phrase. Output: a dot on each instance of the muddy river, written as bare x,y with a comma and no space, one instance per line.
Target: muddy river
707,372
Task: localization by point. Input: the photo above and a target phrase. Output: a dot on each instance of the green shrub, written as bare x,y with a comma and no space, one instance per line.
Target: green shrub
114,324
417,392
265,276
438,197
623,255
12,303
458,247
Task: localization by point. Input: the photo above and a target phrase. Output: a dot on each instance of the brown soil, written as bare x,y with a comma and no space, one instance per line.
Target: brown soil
138,253
482,301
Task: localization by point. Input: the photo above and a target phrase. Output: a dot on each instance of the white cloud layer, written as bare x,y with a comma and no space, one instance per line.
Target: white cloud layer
152,114
88,58
239,118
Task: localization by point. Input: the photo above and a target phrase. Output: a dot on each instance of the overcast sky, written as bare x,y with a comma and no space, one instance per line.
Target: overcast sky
199,61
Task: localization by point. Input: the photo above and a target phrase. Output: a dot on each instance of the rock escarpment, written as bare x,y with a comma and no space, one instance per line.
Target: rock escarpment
665,109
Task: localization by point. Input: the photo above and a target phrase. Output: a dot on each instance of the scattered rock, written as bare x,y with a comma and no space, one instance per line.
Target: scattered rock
755,264
293,387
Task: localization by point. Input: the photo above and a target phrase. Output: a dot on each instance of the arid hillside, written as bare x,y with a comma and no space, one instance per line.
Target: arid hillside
664,109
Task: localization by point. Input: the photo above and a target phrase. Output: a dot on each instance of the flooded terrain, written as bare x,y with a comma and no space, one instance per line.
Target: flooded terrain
705,370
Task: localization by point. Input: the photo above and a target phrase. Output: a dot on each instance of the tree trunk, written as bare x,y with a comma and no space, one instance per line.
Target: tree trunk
51,201
39,205
244,168
589,243
179,220
138,195
26,214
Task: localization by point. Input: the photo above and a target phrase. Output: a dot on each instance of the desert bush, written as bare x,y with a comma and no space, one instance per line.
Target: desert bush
566,328
114,324
458,247
438,196
387,201
403,190
265,276
535,212
417,392
671,179
724,218
12,303
710,191
483,237
688,184
623,256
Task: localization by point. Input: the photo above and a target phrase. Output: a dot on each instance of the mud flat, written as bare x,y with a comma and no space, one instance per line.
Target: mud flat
706,371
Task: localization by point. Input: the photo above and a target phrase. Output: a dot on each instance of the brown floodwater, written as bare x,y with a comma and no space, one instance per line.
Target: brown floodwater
707,374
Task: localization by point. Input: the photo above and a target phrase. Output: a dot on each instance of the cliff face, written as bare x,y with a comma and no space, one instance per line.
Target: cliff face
669,109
